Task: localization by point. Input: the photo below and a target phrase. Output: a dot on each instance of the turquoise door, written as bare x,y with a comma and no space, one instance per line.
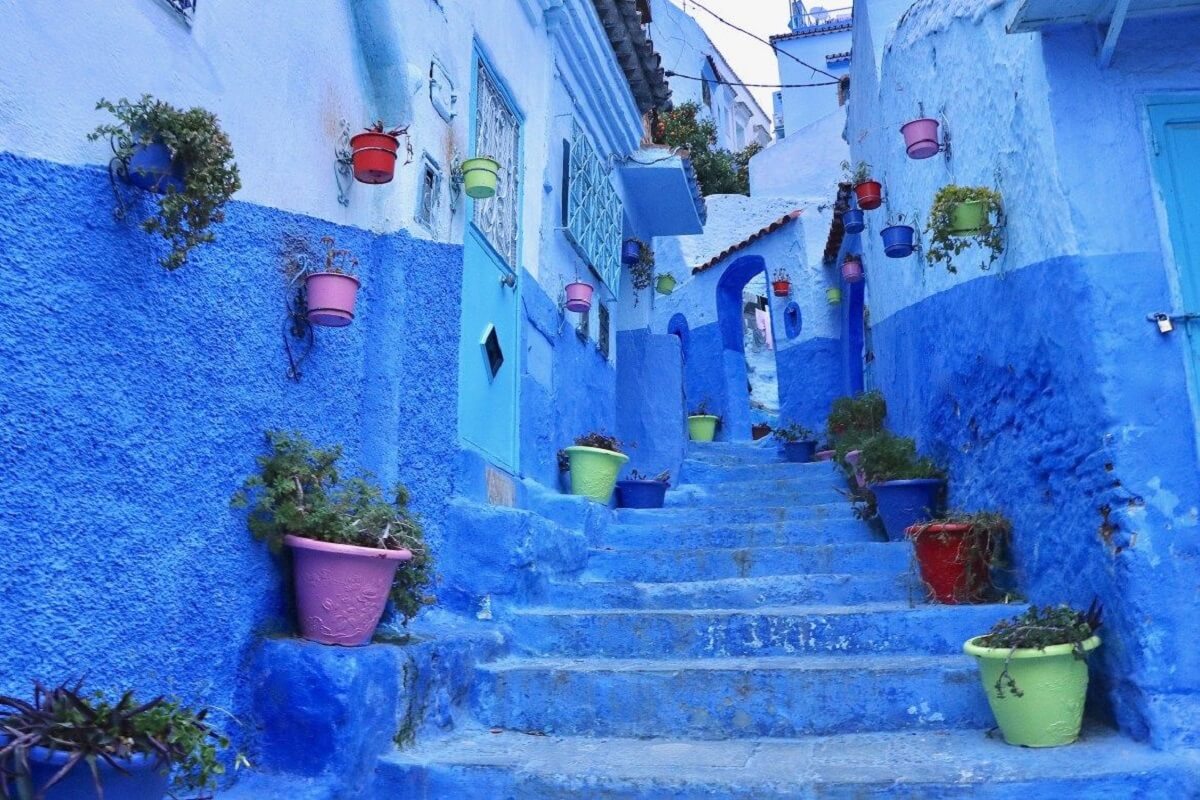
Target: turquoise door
1176,130
488,335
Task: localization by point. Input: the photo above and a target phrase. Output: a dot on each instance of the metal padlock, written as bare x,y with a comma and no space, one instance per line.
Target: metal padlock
1164,323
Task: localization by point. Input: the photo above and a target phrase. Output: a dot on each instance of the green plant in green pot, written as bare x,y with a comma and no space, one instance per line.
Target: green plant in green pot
595,461
702,426
65,744
963,217
1034,670
907,487
183,155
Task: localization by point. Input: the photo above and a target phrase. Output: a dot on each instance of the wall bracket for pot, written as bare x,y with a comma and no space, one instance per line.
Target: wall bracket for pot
296,326
945,145
118,178
343,161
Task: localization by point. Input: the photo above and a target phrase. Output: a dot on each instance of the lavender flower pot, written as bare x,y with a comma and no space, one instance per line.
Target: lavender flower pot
341,589
921,138
852,271
579,296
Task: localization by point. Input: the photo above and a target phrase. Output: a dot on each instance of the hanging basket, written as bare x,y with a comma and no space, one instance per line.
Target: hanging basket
854,221
665,284
330,297
480,176
870,195
898,240
373,155
921,138
631,251
781,288
967,218
833,296
152,168
579,296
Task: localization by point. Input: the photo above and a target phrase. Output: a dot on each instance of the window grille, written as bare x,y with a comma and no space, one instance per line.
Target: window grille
498,136
185,8
602,334
594,212
429,193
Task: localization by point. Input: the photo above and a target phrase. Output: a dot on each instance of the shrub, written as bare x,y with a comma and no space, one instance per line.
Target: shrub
794,432
718,171
886,457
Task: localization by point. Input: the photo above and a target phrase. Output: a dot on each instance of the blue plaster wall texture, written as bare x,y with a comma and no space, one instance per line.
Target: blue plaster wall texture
650,401
134,402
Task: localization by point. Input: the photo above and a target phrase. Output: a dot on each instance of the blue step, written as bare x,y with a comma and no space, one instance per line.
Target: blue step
730,698
779,590
668,518
735,452
708,474
739,534
876,628
749,494
691,564
913,765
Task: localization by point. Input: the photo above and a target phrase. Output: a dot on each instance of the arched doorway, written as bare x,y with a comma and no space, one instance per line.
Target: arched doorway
744,318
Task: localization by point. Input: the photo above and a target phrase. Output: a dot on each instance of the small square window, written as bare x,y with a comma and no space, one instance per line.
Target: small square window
602,334
429,192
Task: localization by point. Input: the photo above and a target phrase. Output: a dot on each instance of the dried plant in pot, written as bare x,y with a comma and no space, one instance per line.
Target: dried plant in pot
332,291
643,491
374,152
641,269
702,426
342,532
956,553
781,284
908,488
799,444
1035,673
595,460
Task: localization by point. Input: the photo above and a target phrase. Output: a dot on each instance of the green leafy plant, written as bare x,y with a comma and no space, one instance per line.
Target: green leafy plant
984,547
662,477
852,419
599,440
859,173
199,146
794,432
701,409
718,171
91,729
887,457
300,491
1039,628
945,243
641,272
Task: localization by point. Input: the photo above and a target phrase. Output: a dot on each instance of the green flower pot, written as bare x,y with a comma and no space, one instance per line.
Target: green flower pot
702,427
594,471
665,284
967,218
833,296
480,176
1053,685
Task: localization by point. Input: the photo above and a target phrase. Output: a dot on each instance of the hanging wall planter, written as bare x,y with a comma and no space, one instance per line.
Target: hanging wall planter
898,240
781,284
833,296
595,461
854,220
631,251
921,138
852,269
480,176
579,296
331,293
665,283
964,217
152,168
868,190
967,218
373,153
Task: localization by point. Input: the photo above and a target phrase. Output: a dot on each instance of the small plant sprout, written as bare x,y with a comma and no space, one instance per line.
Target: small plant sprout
794,432
662,477
859,173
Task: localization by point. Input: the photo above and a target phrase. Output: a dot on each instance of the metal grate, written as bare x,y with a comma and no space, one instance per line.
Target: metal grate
498,136
185,8
602,335
429,194
594,212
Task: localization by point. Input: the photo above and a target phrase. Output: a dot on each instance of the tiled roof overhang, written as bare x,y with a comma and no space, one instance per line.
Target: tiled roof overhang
635,53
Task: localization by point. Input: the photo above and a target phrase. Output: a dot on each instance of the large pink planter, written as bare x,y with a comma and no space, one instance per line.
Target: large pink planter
921,138
331,297
852,459
852,271
826,455
341,589
579,296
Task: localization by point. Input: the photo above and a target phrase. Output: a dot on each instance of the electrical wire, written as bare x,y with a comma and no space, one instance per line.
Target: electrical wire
672,74
764,41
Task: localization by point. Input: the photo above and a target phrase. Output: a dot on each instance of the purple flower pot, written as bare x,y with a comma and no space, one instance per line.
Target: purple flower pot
151,168
898,241
341,589
143,779
799,452
852,459
854,221
641,494
579,296
330,298
921,138
904,503
631,251
852,271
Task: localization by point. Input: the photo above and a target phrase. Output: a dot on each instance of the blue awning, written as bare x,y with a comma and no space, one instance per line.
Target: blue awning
664,192
1034,15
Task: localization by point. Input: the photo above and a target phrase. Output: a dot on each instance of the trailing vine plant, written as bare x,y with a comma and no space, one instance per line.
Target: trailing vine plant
202,151
1039,628
641,272
946,242
983,548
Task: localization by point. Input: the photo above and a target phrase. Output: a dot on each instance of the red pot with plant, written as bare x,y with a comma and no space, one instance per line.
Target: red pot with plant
955,554
373,153
781,285
868,190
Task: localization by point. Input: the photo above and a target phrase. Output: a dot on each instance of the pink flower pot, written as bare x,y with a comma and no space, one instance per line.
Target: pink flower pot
921,138
852,271
852,459
579,296
341,589
826,455
331,297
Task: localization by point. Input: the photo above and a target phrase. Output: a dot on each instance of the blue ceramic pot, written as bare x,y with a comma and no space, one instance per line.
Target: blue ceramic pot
904,503
151,168
641,494
799,452
898,241
631,251
854,221
144,779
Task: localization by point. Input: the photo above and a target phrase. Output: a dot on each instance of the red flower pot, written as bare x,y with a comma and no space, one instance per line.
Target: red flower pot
870,195
374,156
782,288
943,558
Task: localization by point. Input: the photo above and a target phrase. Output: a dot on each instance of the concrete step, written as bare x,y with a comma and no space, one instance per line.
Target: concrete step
689,515
730,698
740,534
913,765
692,564
734,453
868,628
708,473
779,590
744,494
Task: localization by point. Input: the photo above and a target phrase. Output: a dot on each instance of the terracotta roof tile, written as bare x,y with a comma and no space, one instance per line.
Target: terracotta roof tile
754,237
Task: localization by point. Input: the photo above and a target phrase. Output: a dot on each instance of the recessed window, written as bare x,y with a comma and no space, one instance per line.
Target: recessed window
602,334
429,193
493,352
792,321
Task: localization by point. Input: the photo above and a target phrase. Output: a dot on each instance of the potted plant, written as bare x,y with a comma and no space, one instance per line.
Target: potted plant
825,452
798,442
898,238
851,421
641,270
65,744
833,296
921,138
665,283
183,155
956,551
781,284
373,153
852,268
702,426
331,292
579,296
854,220
631,251
342,533
642,491
1035,673
962,217
480,176
868,190
595,461
907,487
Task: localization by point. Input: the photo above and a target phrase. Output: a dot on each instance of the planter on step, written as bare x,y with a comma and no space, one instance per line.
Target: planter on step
373,156
1053,682
852,459
869,194
904,503
579,296
825,455
152,168
852,270
341,589
664,284
833,296
948,568
967,218
631,251
898,241
641,494
141,777
594,471
480,176
760,430
702,427
781,288
330,297
799,452
921,138
854,221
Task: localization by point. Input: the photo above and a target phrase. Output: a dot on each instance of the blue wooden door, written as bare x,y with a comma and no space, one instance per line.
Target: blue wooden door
488,336
1176,130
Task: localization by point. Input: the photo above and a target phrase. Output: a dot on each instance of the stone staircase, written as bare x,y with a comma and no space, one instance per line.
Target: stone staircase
751,640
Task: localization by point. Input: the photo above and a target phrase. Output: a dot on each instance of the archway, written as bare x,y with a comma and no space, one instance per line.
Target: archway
736,318
678,327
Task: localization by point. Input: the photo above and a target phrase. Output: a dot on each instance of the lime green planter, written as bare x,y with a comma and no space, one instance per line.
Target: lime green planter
594,471
702,427
665,284
480,176
1053,685
833,296
967,218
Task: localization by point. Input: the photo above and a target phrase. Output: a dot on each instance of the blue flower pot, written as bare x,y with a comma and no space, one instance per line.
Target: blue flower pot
854,221
898,241
631,251
904,503
799,452
151,168
145,780
641,494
